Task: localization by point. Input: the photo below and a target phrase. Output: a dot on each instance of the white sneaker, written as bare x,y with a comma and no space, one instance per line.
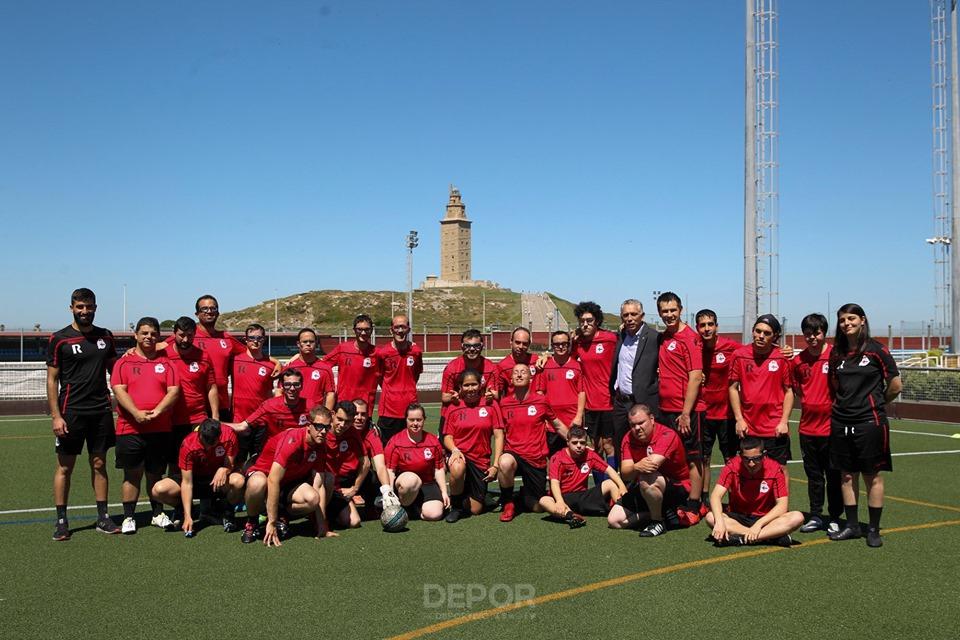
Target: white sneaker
129,526
162,520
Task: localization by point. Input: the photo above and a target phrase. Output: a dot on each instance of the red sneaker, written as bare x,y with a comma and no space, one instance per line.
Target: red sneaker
704,510
509,512
687,518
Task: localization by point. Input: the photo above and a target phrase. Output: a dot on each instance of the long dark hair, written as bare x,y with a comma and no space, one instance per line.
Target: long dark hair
841,344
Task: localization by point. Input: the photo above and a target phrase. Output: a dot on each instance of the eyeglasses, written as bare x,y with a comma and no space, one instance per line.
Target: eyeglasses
363,329
319,426
255,338
472,347
208,309
560,345
752,458
292,385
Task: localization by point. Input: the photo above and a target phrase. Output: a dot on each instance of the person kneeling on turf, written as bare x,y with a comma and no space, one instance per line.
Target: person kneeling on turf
207,461
758,500
655,461
415,465
569,470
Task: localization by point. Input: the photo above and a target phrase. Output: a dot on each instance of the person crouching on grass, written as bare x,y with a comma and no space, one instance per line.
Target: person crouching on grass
415,464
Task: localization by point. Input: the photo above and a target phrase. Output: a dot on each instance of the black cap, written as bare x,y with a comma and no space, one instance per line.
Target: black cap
770,320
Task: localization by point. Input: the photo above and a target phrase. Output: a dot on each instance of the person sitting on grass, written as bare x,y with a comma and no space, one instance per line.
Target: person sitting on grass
569,469
416,468
757,512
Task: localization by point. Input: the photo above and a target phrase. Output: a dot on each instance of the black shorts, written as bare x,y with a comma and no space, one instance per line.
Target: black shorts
202,489
337,502
534,481
778,449
177,436
390,427
863,448
428,491
96,429
226,414
724,433
599,424
473,483
555,442
693,441
588,503
742,518
675,495
250,443
148,450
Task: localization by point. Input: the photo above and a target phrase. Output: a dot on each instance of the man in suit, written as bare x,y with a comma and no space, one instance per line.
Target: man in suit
633,377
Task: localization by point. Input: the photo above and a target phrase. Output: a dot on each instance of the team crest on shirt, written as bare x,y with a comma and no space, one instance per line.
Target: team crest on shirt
262,371
312,457
721,358
533,371
864,361
773,365
826,367
343,446
410,361
599,349
483,380
101,344
672,346
220,452
531,410
764,487
223,344
570,374
482,413
159,368
428,454
303,420
649,450
194,367
367,363
585,468
315,375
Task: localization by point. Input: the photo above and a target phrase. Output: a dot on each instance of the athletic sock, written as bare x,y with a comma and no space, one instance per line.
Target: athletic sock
875,513
851,511
156,507
506,494
693,505
129,508
705,498
61,512
102,509
456,501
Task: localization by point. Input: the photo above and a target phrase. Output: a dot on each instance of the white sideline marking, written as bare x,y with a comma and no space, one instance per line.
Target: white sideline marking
955,436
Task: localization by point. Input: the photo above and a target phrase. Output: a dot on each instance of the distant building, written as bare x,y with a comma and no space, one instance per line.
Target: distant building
455,249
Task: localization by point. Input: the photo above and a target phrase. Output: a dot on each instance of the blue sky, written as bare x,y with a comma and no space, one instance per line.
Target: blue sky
245,149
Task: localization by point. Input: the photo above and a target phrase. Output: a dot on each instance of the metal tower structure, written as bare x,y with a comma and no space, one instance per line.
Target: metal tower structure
941,167
761,254
955,223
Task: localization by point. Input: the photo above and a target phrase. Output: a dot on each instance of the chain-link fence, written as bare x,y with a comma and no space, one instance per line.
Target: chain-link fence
930,385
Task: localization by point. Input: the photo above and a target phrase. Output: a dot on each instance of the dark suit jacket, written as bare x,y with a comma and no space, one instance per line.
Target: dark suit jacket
646,379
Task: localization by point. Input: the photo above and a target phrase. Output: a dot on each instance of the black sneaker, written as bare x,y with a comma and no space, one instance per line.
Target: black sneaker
847,533
249,533
574,521
783,541
873,538
61,531
733,540
653,529
454,515
815,523
283,528
229,524
108,526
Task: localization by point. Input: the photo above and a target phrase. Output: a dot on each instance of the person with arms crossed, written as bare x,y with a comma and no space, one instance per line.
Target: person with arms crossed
78,358
401,362
415,464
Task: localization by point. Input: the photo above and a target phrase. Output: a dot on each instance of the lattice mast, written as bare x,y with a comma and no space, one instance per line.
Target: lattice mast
941,167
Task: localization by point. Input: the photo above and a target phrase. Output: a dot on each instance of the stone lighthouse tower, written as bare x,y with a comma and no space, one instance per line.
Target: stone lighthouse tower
455,241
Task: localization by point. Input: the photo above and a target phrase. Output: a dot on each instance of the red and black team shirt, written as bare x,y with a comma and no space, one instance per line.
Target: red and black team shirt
716,377
203,461
317,380
344,452
663,442
561,384
276,415
195,372
485,367
596,359
221,347
471,429
146,382
763,380
573,473
422,458
811,377
680,353
292,450
252,383
358,372
83,360
505,371
859,382
526,423
753,495
401,370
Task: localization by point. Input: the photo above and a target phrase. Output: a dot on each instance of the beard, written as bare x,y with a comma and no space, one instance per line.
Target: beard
83,321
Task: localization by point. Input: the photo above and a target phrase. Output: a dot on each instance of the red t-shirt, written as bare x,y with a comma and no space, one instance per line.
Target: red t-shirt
526,423
573,473
317,380
505,372
252,384
293,451
203,461
372,445
561,384
596,360
715,391
665,442
762,386
147,382
195,371
398,388
358,373
221,348
344,452
488,376
471,429
278,416
753,495
422,458
811,377
680,353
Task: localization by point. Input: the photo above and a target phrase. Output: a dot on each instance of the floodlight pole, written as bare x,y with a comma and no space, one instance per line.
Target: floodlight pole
955,190
412,242
749,177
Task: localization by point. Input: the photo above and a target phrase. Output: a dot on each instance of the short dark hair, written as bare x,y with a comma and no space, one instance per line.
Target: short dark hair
320,411
590,307
558,333
668,296
751,442
471,333
207,296
83,295
576,432
415,406
291,373
706,313
640,407
185,324
347,407
468,373
147,321
362,318
209,431
254,327
514,332
305,330
813,323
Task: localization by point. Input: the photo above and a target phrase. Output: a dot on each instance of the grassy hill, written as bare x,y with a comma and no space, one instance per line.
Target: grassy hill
329,311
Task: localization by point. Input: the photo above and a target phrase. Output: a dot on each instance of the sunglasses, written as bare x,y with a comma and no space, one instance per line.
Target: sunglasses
472,347
752,458
208,309
319,426
560,345
255,338
292,385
